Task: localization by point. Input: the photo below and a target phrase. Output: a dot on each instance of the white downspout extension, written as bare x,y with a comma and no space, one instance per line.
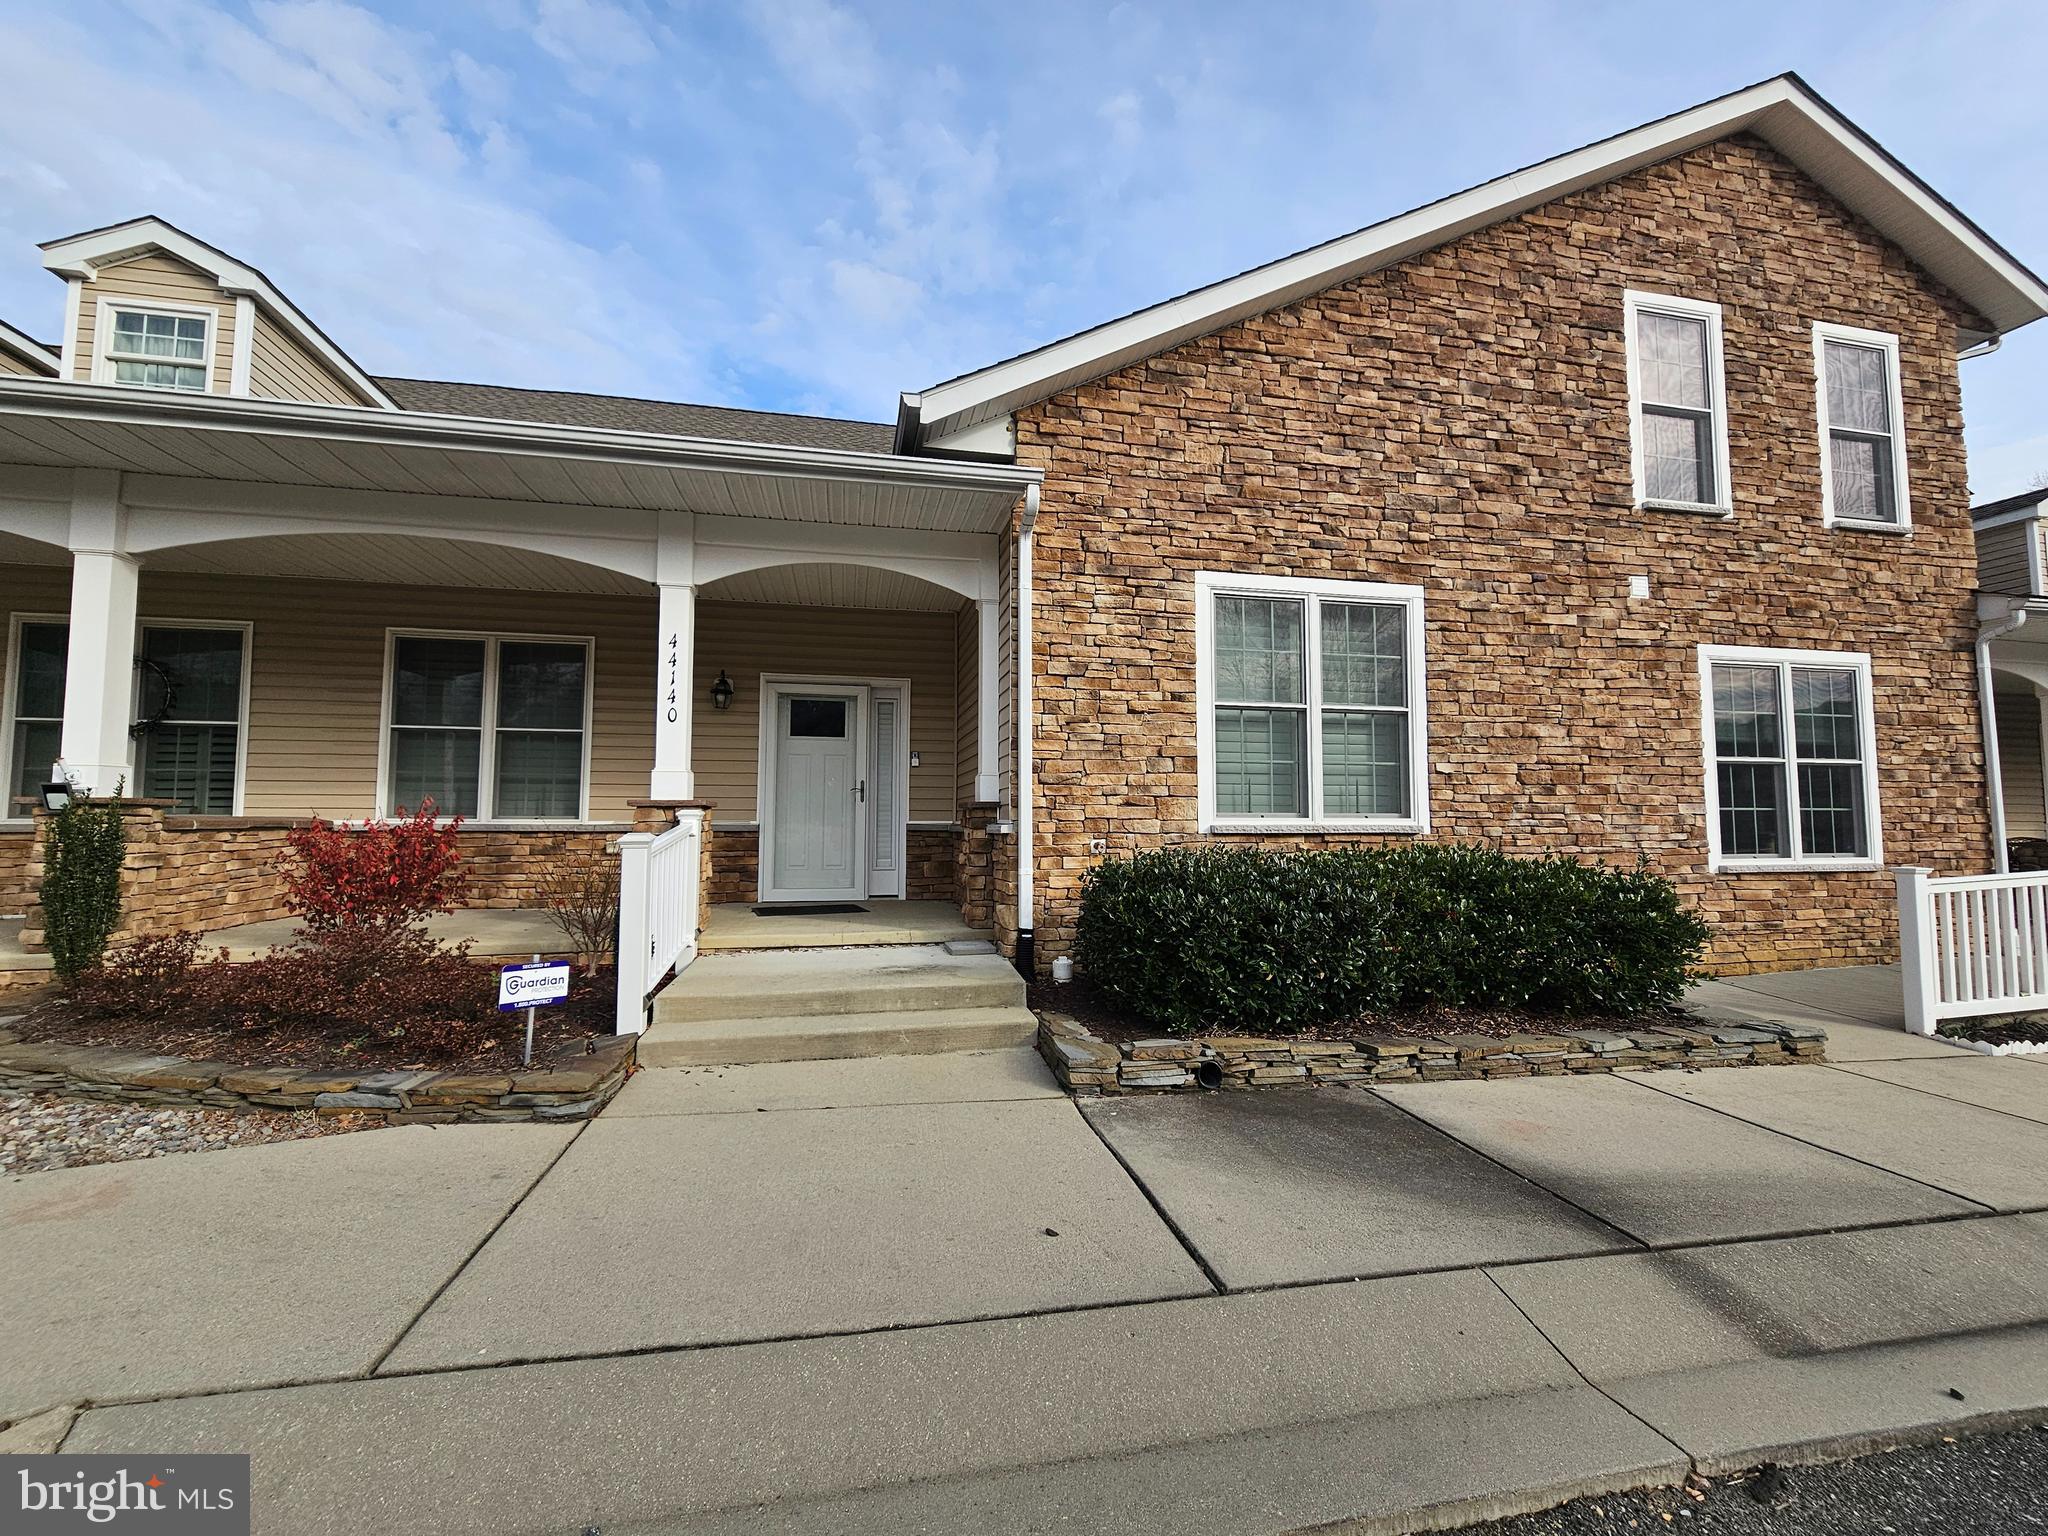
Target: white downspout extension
1025,524
1994,777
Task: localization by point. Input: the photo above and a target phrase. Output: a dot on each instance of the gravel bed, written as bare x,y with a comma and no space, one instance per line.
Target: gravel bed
38,1132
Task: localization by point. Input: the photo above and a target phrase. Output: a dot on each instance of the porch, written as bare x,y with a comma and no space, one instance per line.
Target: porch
818,668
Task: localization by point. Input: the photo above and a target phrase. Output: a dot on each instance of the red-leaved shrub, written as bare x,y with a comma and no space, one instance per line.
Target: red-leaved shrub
156,977
383,874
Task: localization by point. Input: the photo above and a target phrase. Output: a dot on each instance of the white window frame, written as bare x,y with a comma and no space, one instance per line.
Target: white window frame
487,747
9,686
103,358
1634,304
1887,343
248,634
1209,585
1857,662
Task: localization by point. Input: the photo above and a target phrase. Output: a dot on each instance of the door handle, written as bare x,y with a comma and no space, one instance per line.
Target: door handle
860,791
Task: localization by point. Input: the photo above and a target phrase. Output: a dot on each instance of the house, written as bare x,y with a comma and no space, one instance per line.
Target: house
2012,605
1615,507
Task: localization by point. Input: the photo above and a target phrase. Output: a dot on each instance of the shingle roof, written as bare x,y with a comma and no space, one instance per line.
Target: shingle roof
2031,498
625,414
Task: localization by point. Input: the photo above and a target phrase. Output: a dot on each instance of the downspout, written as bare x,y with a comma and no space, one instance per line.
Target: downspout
1994,776
1026,522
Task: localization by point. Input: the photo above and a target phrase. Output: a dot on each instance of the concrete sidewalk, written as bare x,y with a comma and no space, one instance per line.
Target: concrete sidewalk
933,1294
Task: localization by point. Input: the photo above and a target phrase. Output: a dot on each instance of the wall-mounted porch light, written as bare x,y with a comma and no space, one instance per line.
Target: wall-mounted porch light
721,691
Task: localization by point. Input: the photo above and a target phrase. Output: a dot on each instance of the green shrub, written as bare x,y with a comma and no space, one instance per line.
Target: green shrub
1190,939
83,848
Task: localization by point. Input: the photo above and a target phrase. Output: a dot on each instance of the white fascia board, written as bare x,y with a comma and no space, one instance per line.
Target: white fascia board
83,256
57,400
34,353
1783,111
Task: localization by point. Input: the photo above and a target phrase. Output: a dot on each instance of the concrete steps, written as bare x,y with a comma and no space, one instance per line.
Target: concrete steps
821,1004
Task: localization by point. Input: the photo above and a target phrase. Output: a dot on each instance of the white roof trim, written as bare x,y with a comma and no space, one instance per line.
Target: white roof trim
83,256
61,401
34,353
1784,111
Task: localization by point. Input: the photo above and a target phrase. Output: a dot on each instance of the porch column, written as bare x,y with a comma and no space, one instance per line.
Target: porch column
987,775
100,656
675,670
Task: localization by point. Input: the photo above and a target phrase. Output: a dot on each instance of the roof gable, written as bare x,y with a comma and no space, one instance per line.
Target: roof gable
38,357
1785,112
86,255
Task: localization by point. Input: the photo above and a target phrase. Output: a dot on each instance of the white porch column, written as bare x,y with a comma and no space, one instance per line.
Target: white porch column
988,784
100,659
675,671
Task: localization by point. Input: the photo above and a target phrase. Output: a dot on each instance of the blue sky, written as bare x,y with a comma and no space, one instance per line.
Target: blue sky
803,205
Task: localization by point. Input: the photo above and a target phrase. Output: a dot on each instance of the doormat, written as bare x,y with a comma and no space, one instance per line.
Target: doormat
819,909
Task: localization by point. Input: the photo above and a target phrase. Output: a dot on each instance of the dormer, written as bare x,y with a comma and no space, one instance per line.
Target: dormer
147,306
2012,545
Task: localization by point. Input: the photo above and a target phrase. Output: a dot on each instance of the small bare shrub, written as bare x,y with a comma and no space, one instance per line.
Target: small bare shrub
580,891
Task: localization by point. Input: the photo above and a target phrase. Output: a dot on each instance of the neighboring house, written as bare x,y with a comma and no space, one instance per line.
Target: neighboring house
2012,606
1616,507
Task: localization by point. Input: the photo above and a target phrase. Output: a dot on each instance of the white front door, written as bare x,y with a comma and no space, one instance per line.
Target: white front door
817,825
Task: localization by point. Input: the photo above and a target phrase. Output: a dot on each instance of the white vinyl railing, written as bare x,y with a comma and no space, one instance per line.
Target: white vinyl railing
658,906
1972,944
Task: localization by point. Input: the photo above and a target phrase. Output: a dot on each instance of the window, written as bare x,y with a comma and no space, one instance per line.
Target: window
488,727
36,688
1863,459
188,713
1791,758
158,349
1678,414
1311,703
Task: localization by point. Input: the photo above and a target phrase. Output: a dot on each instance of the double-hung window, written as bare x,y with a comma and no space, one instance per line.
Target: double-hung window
1678,411
36,699
158,349
190,712
1862,428
488,727
1311,704
1791,758
189,708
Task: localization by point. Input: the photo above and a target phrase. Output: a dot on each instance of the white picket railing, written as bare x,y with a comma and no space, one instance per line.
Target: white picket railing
658,907
1972,944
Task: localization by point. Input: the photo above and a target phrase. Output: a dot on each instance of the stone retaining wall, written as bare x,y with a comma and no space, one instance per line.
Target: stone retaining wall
1086,1064
572,1087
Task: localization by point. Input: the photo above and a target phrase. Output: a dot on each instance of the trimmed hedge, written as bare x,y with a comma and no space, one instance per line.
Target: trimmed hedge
1194,939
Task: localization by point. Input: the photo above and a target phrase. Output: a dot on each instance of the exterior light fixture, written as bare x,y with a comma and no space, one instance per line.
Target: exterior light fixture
721,691
56,796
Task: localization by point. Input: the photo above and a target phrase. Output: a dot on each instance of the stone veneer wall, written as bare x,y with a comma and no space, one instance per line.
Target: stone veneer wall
187,872
15,848
1086,1064
1460,420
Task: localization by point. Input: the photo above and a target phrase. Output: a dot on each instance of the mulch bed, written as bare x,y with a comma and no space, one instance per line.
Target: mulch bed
2021,1029
1081,1002
556,1031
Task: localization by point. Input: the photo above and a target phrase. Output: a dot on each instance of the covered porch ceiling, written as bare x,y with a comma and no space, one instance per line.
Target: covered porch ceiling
67,425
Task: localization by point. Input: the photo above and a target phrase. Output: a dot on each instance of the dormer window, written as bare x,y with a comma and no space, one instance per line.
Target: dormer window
157,349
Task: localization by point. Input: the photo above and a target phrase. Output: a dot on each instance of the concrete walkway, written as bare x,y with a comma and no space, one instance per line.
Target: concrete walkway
932,1294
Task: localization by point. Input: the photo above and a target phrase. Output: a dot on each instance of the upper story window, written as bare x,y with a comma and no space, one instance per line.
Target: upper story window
157,349
1791,758
1862,427
1311,704
1677,404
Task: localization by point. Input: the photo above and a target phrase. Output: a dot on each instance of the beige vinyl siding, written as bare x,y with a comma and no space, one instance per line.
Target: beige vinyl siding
155,277
967,711
2019,764
316,680
748,639
16,368
281,369
2002,557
